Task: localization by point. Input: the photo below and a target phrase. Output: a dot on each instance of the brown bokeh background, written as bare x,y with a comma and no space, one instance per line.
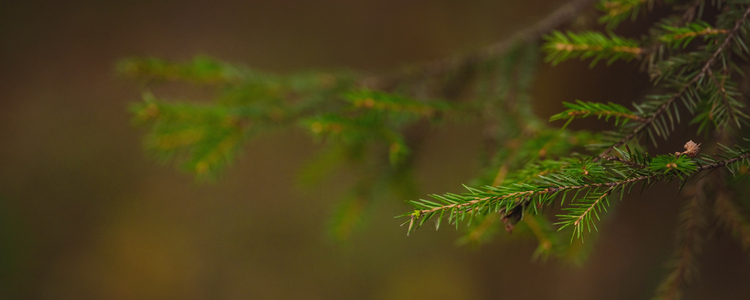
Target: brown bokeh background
86,214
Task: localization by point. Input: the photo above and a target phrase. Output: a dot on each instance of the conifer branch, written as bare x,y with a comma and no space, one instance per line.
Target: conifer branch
684,35
614,8
606,114
722,163
562,46
538,165
468,203
586,214
617,11
509,199
696,78
581,109
703,32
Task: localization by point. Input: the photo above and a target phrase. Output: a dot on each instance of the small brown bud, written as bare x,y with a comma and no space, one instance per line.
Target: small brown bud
691,149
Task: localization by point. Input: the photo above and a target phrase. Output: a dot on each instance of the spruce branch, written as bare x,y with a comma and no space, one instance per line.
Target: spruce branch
617,11
581,109
580,214
563,46
722,106
536,166
738,155
731,35
587,177
682,36
459,205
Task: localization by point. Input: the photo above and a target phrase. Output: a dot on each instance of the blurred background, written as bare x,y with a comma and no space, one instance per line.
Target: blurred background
85,213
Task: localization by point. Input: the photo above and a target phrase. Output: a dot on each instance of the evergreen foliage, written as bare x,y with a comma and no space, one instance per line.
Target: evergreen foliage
696,58
563,46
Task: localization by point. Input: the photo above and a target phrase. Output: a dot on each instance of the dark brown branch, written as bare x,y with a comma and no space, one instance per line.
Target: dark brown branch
531,34
722,163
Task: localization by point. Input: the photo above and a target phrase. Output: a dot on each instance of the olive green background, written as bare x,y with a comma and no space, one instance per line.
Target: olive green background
86,214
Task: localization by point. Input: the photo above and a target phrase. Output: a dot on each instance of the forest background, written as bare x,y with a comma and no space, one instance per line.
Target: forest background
86,213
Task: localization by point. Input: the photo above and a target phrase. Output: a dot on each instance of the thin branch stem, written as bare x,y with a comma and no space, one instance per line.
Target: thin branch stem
722,163
587,47
627,162
707,31
593,205
608,113
438,67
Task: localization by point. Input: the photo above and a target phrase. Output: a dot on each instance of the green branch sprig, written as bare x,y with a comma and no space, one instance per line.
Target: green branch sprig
586,184
680,37
563,46
581,109
616,11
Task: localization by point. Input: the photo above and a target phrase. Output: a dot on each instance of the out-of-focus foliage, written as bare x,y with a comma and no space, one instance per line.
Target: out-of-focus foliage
531,170
370,130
